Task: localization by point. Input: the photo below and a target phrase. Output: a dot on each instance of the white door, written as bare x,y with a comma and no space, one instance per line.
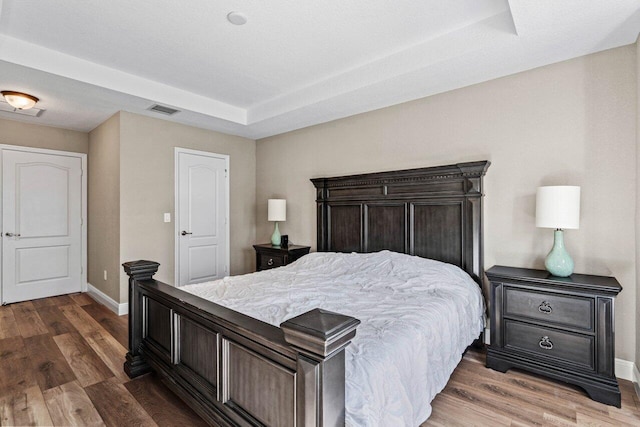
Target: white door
41,225
202,241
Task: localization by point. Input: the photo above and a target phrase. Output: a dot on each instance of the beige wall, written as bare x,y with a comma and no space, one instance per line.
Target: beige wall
147,191
104,207
37,136
569,123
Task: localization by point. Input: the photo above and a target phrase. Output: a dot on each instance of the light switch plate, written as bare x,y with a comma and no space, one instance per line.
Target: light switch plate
167,217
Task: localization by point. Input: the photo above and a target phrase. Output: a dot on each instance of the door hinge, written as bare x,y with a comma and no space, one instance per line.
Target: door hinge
226,173
81,270
225,268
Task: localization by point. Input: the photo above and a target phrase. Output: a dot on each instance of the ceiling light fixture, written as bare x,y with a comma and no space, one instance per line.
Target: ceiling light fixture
19,100
237,18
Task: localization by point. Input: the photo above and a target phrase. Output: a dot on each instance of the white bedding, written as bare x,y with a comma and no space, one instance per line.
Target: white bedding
418,316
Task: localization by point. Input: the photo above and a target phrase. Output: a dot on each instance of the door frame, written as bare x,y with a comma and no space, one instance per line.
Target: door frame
176,207
83,240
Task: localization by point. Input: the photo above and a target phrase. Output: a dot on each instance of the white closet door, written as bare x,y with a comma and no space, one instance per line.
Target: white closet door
41,225
202,236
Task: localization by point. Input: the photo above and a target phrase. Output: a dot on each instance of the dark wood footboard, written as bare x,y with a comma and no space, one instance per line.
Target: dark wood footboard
233,369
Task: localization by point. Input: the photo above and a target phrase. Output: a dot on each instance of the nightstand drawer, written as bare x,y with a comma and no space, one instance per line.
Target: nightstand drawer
270,261
574,348
570,311
269,256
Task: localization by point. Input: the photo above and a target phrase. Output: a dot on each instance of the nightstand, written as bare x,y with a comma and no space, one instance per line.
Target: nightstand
269,256
559,327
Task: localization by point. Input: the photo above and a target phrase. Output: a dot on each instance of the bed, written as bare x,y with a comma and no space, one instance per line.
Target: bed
236,365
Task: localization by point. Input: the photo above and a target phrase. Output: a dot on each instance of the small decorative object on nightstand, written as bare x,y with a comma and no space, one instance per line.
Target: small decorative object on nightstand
559,327
269,256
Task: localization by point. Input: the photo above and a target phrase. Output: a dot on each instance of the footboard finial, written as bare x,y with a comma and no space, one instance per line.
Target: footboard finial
320,338
137,270
140,270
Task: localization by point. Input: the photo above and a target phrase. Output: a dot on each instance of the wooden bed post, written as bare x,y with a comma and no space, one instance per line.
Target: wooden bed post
135,365
320,338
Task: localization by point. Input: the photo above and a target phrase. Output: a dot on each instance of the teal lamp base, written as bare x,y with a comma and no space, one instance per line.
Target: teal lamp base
275,237
558,262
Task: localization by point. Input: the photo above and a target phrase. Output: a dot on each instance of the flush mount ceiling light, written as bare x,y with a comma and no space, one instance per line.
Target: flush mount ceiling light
237,18
19,100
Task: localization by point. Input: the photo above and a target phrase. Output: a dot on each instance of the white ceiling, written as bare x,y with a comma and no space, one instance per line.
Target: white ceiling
294,64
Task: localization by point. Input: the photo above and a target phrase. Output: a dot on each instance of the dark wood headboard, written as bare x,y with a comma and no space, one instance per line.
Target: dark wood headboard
431,212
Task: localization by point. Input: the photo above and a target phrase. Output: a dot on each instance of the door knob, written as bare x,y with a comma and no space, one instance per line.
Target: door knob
184,233
12,235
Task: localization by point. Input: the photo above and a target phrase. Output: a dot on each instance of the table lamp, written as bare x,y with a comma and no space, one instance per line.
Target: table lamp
277,211
558,207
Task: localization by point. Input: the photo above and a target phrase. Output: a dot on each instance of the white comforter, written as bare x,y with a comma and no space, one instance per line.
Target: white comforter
418,316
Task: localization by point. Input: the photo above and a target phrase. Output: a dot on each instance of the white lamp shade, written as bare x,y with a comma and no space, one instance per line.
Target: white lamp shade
277,210
558,207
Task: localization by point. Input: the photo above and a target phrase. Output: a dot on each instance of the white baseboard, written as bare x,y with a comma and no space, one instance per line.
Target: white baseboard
104,299
626,370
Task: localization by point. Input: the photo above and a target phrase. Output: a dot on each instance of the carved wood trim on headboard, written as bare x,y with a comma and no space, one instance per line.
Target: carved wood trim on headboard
431,212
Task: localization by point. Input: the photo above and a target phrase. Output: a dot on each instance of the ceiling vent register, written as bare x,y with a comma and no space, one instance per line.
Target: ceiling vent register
162,109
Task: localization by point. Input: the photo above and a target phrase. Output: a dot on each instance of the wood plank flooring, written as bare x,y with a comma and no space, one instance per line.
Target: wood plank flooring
477,396
61,364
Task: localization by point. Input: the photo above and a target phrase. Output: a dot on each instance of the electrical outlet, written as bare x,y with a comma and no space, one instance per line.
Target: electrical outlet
167,217
105,275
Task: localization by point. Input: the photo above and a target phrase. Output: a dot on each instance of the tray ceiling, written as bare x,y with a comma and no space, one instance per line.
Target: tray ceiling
293,64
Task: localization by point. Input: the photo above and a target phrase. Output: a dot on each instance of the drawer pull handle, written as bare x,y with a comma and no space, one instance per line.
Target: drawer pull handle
545,344
270,262
545,308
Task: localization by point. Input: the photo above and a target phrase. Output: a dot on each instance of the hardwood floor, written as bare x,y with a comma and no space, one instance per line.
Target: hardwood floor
479,396
61,364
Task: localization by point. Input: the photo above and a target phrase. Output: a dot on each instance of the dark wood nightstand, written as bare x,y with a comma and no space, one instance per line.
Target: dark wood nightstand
269,256
559,327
